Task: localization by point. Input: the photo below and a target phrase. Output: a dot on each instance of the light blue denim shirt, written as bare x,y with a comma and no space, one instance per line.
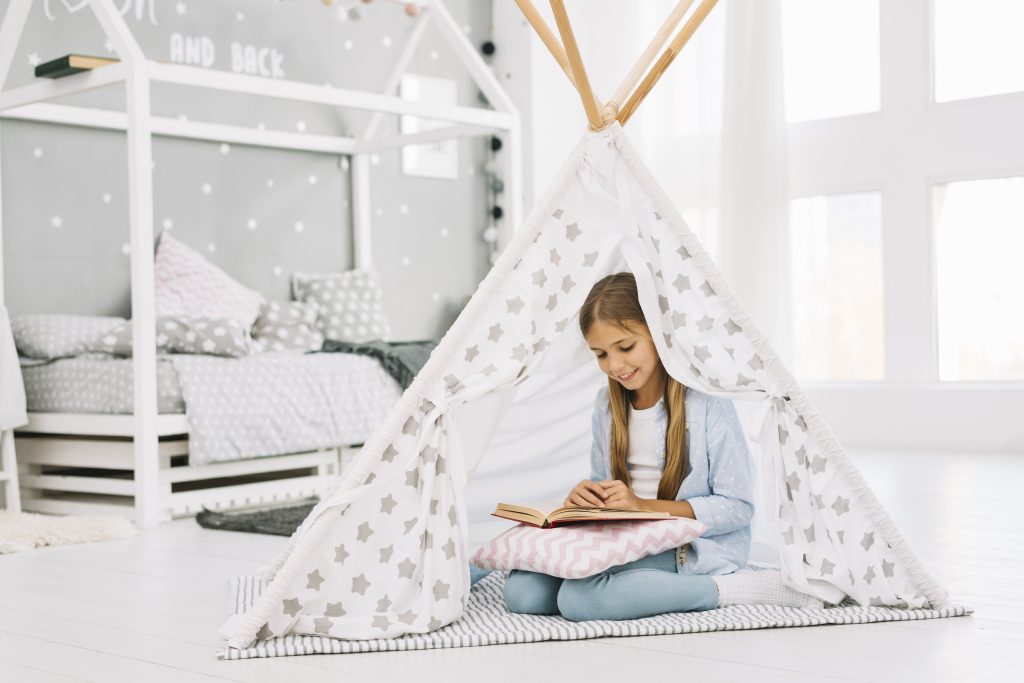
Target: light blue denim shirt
718,482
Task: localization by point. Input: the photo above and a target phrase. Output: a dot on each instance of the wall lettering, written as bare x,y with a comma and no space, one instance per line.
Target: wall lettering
256,61
142,8
192,50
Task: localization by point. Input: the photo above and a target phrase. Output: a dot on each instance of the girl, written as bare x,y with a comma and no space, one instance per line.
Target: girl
658,445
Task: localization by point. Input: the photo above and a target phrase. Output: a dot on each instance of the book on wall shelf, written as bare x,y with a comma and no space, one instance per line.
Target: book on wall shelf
71,64
547,516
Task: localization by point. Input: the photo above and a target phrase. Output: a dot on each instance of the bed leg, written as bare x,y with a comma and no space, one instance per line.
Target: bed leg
9,472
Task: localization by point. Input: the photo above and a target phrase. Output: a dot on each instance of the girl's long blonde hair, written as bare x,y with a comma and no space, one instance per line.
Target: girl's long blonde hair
614,300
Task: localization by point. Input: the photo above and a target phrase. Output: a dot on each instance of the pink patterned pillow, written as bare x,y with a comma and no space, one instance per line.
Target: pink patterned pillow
189,285
576,551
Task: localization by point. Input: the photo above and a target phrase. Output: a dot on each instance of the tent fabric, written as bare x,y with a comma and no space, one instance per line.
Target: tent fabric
386,553
487,622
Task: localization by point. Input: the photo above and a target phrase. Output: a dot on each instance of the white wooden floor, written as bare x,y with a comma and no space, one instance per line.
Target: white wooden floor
148,609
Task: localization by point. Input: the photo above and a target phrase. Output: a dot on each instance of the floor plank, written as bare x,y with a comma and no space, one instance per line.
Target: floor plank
149,607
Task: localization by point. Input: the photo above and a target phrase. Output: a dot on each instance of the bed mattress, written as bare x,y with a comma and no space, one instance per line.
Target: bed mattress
100,384
96,384
259,405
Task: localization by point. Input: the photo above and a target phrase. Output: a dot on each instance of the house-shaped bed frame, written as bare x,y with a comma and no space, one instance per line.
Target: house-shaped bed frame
145,452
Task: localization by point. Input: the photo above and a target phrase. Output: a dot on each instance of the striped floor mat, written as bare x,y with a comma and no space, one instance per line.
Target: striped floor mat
487,622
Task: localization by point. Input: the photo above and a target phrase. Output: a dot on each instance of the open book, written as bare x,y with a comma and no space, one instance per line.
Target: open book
546,516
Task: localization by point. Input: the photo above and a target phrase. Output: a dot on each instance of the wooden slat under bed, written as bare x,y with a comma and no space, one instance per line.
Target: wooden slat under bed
74,463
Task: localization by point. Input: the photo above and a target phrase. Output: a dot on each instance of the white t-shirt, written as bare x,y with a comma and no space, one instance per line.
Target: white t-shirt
642,461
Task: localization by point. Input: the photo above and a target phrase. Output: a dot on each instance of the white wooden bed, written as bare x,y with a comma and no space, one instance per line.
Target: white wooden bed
138,463
74,463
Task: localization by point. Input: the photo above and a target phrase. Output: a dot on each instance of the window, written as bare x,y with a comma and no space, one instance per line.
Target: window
836,261
704,224
977,48
830,58
979,237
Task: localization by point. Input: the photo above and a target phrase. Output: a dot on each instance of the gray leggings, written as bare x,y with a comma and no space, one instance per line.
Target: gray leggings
642,588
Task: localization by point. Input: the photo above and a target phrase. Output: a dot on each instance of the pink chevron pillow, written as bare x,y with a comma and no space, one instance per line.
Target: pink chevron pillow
576,551
189,285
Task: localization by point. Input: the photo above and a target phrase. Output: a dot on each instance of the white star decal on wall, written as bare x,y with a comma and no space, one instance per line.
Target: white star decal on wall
207,188
181,8
33,59
106,197
56,221
300,126
37,152
168,224
299,226
312,179
225,148
251,224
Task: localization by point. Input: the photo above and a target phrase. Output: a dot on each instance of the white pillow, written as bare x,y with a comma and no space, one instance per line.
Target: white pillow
189,285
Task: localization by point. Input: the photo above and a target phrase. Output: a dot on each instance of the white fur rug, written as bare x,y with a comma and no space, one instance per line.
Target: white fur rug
24,531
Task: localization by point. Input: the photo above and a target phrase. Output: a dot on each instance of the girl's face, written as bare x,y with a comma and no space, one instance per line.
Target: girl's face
626,355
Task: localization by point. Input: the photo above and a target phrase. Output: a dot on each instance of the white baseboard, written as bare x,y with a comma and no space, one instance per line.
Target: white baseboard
971,418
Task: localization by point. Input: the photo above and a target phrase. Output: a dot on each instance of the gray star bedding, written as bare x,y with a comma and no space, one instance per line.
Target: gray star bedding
260,405
95,384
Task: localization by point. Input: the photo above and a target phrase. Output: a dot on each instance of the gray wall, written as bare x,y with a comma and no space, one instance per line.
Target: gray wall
80,175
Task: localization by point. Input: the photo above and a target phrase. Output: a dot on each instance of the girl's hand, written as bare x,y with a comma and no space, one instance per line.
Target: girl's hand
618,495
586,494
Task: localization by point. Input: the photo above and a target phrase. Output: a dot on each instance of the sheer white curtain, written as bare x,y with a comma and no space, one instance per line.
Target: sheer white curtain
713,130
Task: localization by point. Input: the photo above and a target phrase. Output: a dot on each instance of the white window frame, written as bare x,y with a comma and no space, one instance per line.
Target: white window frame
912,144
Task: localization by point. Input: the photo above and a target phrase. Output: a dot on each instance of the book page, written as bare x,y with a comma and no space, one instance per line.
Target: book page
542,508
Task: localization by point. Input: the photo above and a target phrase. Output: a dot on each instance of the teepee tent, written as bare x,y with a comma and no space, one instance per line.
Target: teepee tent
386,554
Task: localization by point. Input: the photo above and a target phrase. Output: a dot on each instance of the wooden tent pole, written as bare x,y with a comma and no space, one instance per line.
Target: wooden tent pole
590,103
547,36
684,35
647,57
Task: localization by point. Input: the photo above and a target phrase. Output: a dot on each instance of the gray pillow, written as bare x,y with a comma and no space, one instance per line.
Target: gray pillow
288,326
350,304
181,334
46,336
